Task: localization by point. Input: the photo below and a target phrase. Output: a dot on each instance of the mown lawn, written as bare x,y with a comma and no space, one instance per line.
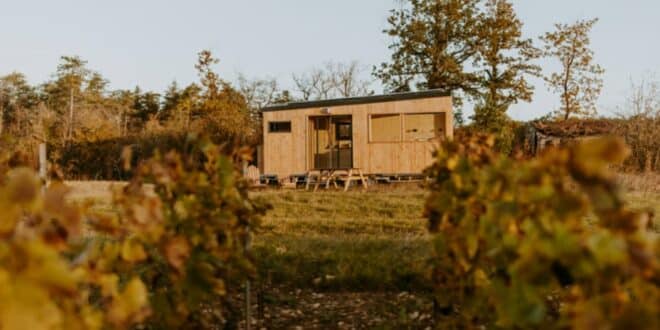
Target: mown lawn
344,260
344,241
356,241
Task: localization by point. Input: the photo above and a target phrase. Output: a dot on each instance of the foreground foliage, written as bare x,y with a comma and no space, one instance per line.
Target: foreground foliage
513,248
41,287
163,259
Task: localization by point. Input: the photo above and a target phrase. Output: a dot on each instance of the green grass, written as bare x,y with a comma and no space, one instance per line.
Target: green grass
355,241
344,241
647,202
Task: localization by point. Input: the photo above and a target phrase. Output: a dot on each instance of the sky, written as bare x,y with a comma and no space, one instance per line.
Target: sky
150,43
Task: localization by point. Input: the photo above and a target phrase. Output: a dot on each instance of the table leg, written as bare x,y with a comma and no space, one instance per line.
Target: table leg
327,182
348,180
364,181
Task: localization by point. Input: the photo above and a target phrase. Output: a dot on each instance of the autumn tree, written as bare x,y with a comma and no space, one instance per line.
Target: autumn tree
146,106
504,62
639,123
121,105
432,43
16,96
178,105
223,111
579,82
72,72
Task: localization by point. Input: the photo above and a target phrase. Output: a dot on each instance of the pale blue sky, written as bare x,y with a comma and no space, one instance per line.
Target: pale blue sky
152,42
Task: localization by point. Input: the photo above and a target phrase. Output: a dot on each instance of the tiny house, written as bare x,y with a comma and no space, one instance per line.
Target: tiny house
394,133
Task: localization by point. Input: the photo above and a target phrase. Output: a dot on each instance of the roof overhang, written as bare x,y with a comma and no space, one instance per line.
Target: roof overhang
358,100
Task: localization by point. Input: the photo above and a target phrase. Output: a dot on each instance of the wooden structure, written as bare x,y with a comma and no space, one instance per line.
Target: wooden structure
542,134
371,135
318,177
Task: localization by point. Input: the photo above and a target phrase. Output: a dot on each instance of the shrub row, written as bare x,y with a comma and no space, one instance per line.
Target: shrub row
103,159
541,243
160,259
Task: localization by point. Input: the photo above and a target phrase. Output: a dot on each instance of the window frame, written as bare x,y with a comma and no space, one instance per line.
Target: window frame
403,125
371,128
339,136
274,123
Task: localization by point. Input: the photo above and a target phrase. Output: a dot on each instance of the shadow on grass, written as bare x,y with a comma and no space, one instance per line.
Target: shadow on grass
344,264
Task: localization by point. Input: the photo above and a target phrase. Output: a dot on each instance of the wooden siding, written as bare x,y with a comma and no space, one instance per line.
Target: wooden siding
288,153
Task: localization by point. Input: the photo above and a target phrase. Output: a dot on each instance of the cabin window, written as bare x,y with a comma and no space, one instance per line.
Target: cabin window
279,127
423,126
385,128
344,132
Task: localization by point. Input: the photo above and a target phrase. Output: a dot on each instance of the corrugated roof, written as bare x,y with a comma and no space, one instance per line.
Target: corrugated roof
358,100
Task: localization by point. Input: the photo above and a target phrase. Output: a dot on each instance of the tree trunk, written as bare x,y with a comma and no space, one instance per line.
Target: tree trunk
70,133
2,119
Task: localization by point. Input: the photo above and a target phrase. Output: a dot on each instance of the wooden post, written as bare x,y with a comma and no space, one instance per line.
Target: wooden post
43,166
248,304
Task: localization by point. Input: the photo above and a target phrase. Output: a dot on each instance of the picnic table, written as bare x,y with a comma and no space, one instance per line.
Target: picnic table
331,176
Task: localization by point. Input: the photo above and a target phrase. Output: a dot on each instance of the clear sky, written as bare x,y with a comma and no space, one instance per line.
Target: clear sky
152,42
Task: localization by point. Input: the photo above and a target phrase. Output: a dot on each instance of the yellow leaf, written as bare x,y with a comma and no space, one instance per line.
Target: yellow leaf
132,251
23,186
131,306
28,307
177,251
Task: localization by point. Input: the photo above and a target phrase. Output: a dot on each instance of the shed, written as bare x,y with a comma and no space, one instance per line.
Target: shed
542,134
393,133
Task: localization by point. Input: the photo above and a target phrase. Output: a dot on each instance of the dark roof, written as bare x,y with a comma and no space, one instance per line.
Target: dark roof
575,127
358,100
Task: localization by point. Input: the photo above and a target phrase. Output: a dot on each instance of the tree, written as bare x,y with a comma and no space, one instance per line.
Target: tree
146,106
60,94
16,95
334,79
122,103
72,73
314,85
579,82
504,62
223,112
170,101
643,99
433,41
639,122
345,79
258,92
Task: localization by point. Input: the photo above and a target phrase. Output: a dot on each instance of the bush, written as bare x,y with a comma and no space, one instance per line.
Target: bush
543,243
164,258
41,286
642,134
102,160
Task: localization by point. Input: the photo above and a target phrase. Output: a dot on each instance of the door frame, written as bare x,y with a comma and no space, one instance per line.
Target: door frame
332,134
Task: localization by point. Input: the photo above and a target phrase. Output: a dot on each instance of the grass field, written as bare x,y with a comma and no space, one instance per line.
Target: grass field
344,241
365,253
344,260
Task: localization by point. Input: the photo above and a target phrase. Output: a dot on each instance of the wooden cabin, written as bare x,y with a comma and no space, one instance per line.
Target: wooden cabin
381,134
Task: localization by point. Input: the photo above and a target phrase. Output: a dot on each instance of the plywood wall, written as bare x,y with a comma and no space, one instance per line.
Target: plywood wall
288,153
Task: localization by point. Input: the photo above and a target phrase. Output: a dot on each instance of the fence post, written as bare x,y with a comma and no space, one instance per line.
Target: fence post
43,166
248,314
